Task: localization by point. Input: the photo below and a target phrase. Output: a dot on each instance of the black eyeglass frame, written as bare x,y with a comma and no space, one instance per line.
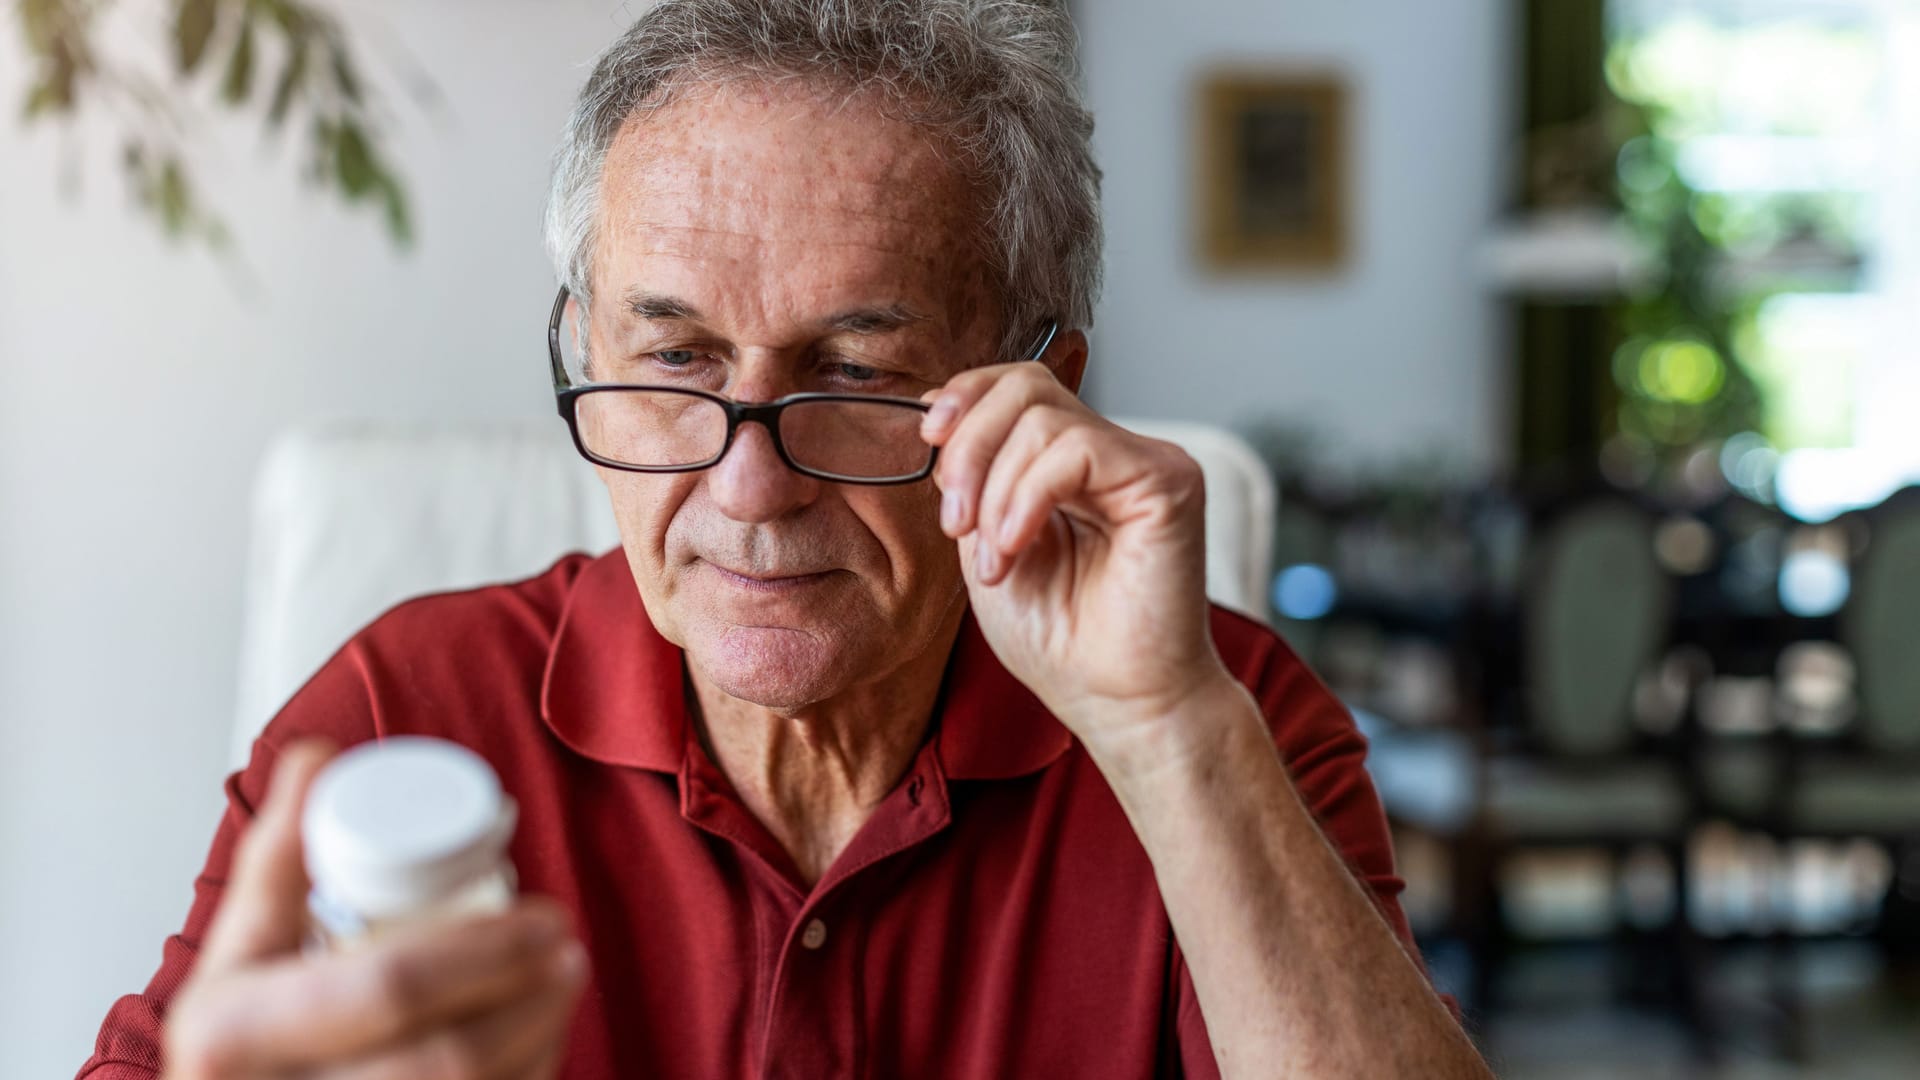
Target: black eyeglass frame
766,414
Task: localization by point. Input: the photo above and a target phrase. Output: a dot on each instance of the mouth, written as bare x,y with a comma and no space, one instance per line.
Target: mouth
769,583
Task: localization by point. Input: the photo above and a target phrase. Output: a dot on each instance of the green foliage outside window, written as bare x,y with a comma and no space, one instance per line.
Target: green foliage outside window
1736,171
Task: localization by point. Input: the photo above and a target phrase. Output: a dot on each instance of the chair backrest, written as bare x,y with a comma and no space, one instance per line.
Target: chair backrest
1595,617
1881,626
1242,501
349,520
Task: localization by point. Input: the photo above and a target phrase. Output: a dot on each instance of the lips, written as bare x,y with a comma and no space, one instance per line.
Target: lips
769,582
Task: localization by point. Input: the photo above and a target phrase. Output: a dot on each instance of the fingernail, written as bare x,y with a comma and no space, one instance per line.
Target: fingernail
986,560
1008,526
950,508
941,414
570,963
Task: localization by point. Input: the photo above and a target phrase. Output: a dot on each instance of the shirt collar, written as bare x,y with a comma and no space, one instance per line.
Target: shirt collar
614,690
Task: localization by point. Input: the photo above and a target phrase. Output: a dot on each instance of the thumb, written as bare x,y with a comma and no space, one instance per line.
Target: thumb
263,912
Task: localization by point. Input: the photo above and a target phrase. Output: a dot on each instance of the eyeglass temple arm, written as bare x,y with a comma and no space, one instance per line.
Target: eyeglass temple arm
553,339
1045,340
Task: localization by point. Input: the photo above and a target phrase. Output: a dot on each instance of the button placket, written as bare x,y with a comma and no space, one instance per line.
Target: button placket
813,1010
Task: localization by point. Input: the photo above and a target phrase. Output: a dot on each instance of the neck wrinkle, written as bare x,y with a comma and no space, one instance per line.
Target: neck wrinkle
815,776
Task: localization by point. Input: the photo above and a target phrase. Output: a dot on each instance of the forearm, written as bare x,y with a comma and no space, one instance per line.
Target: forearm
1295,969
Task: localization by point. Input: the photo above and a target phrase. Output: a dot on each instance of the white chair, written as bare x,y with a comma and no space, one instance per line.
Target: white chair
349,520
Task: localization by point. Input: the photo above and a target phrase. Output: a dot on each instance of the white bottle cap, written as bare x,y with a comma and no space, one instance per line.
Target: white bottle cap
391,827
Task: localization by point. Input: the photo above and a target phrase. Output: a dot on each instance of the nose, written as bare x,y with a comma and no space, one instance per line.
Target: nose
751,484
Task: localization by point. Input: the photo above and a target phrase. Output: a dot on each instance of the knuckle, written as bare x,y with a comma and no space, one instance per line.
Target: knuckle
1184,476
965,466
1080,438
399,988
1032,385
1181,465
1035,377
1047,420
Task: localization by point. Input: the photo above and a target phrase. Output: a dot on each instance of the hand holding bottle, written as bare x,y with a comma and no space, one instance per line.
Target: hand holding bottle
487,996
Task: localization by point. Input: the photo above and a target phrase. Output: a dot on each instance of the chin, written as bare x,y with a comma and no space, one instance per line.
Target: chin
780,668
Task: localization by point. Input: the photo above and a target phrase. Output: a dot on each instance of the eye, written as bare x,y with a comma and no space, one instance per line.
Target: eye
857,372
675,357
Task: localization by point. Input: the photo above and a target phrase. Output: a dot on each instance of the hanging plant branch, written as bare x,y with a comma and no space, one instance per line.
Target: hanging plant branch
234,44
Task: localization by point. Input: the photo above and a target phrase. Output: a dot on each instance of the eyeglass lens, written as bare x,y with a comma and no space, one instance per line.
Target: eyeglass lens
868,440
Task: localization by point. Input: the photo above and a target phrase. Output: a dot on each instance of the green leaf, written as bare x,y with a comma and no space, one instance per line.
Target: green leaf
399,216
286,15
173,197
239,78
58,87
44,97
343,72
287,85
191,32
353,161
41,21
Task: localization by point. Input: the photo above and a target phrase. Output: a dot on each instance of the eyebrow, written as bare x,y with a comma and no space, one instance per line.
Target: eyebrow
867,320
875,320
655,306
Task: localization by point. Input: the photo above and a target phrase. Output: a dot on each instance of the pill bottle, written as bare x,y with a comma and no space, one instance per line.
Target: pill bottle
400,831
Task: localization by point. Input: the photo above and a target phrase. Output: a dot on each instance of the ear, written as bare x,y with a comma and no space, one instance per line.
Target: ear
1067,359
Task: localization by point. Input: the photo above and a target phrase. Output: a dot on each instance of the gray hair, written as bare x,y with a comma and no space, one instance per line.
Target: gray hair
998,79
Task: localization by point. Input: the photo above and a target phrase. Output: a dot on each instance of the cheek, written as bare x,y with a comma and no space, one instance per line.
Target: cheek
906,525
644,507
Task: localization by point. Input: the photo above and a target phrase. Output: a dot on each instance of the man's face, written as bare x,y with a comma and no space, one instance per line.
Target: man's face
789,242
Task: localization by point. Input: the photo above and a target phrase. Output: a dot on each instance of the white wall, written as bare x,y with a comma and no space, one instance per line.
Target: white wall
1393,357
138,386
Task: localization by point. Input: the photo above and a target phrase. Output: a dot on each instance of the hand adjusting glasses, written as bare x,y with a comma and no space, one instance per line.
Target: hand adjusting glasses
844,438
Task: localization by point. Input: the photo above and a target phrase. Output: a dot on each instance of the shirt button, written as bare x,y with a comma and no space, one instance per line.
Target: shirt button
815,935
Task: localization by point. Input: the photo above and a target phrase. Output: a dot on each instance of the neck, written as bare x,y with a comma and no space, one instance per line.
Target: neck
813,776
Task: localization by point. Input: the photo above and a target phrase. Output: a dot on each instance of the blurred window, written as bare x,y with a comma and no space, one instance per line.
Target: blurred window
1796,126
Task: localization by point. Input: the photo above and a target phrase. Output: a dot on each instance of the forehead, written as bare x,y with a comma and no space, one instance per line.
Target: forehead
774,201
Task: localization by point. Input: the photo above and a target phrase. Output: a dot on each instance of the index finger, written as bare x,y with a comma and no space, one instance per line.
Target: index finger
950,403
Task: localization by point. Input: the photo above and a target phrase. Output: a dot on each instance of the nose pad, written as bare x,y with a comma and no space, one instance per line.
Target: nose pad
752,483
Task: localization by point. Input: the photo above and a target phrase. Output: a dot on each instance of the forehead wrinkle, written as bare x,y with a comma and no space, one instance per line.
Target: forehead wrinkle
776,203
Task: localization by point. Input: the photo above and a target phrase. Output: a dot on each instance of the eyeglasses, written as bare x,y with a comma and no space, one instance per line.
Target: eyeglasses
843,438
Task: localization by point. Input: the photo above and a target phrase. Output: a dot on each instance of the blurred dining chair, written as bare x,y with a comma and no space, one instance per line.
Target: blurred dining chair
1861,780
1575,770
348,520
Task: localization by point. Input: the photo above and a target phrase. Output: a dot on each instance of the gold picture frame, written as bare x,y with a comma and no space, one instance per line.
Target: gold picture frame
1273,172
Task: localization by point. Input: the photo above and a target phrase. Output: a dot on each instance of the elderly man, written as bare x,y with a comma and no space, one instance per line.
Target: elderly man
898,738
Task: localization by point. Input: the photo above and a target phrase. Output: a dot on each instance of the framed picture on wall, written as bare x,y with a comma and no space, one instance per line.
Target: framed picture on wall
1273,177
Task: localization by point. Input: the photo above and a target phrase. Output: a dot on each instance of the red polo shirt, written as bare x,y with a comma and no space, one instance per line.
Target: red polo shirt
996,916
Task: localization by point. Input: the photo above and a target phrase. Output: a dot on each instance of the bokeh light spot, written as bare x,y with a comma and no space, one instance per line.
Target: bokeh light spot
1305,592
1813,583
1685,372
